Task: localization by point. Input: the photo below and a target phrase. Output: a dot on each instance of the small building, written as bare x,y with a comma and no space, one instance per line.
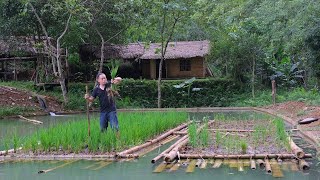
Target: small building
182,59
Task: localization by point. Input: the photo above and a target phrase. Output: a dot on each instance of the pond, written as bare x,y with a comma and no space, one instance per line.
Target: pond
136,169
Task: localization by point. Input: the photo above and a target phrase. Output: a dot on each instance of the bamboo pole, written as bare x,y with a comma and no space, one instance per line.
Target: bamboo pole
217,163
261,163
173,153
296,149
268,166
242,156
88,114
62,165
9,151
169,149
30,120
159,138
303,165
252,164
199,161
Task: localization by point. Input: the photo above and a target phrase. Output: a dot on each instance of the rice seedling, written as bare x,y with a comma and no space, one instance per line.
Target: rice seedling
244,146
192,132
15,141
204,134
218,139
72,136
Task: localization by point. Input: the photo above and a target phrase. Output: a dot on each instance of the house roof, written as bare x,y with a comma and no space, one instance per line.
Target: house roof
14,46
175,50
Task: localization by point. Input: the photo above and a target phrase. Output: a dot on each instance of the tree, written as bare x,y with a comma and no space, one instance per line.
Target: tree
70,7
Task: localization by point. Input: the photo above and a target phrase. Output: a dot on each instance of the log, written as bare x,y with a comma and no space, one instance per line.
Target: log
303,165
159,138
173,153
241,156
296,149
307,120
199,161
252,164
261,163
268,166
169,149
30,120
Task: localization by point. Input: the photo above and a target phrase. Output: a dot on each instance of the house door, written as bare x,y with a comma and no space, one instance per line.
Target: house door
164,69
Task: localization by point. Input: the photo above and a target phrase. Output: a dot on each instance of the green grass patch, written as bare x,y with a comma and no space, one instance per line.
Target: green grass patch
135,128
10,111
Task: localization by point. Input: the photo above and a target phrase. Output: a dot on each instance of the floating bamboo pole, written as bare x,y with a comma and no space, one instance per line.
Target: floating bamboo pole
294,166
164,141
191,166
252,164
276,170
199,161
261,163
169,149
240,165
102,165
303,165
161,167
159,138
30,120
203,164
62,165
217,163
241,156
175,167
296,149
268,166
173,153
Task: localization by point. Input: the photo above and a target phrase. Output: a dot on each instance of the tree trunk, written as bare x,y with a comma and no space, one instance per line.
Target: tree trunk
159,82
253,79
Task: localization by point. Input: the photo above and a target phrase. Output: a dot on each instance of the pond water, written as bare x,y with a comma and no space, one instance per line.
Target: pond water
136,169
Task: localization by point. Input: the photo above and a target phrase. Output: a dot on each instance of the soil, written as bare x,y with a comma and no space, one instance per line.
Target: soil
298,111
230,142
13,97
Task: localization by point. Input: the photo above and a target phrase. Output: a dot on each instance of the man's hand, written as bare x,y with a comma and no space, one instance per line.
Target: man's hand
116,80
88,97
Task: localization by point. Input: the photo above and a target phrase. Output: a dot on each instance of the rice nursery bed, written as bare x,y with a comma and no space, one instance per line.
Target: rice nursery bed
72,137
238,136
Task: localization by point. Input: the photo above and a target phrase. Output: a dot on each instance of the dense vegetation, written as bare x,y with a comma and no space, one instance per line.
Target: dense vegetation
253,42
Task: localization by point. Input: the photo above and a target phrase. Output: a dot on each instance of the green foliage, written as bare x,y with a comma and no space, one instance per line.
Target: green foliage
218,139
244,146
10,111
204,134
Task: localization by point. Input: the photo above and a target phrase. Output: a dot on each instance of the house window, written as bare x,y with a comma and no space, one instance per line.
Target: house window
185,65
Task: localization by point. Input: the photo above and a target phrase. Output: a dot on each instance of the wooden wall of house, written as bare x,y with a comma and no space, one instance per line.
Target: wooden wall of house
197,68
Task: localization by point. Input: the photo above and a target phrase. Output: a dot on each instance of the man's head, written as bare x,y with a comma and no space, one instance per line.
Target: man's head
101,78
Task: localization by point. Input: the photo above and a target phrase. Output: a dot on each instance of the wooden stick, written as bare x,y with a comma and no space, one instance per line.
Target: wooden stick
88,115
30,120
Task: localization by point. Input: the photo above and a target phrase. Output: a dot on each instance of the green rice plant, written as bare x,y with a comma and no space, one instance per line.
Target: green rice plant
6,144
192,132
15,141
218,139
281,134
244,146
204,134
135,128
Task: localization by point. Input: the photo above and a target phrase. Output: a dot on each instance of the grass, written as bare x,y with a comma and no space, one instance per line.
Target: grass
135,128
204,134
10,111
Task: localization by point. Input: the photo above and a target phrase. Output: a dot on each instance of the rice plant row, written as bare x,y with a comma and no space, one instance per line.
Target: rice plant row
72,137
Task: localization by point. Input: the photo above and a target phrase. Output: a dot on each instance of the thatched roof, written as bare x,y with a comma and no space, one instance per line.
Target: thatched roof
175,50
16,46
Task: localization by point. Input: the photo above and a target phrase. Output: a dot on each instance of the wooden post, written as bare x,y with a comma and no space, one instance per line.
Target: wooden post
274,91
88,115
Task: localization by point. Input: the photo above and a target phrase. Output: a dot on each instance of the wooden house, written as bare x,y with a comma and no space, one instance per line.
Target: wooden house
182,59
